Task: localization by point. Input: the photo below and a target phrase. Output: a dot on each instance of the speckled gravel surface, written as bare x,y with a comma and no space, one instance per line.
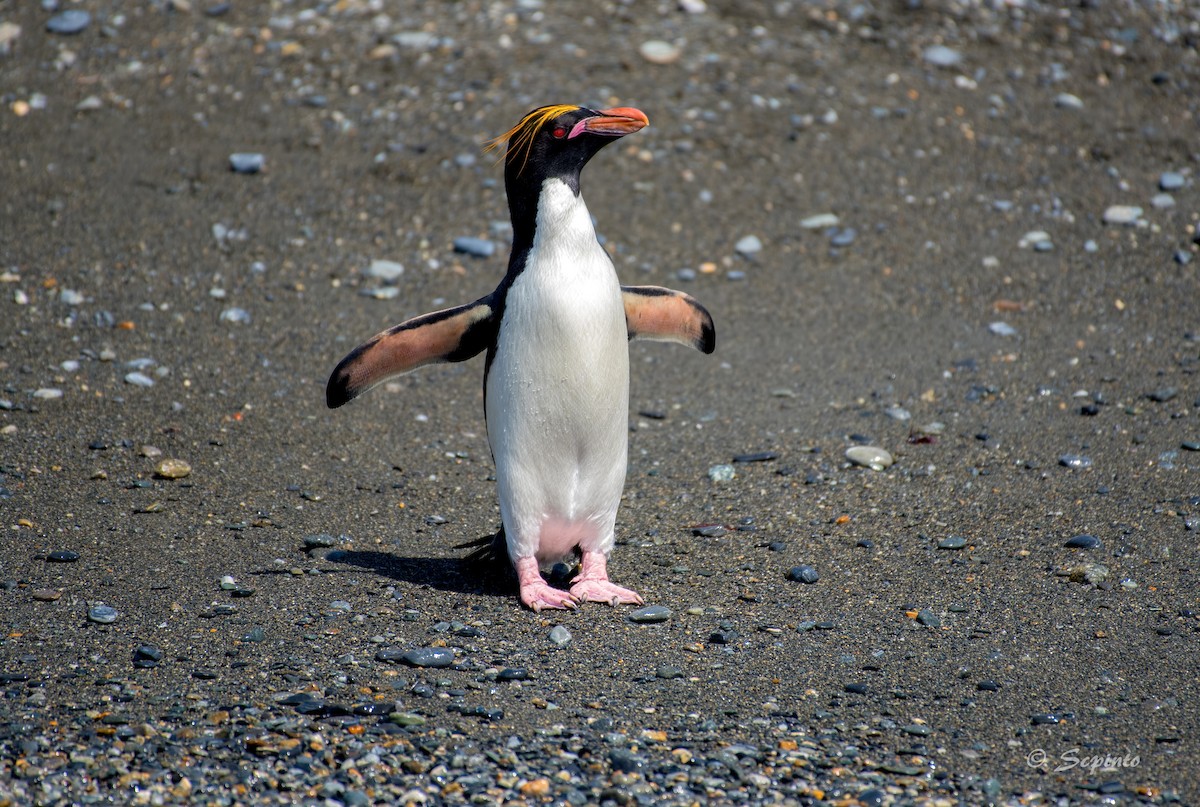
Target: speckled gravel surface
961,236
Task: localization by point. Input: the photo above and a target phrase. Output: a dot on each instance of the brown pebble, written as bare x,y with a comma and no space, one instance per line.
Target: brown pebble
172,469
46,594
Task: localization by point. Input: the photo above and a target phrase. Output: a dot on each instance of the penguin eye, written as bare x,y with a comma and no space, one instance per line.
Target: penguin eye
558,132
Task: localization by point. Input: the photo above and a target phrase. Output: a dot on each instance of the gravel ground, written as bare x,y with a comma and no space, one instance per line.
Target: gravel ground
962,233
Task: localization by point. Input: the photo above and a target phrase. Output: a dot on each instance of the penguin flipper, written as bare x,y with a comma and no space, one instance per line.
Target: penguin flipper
665,315
455,334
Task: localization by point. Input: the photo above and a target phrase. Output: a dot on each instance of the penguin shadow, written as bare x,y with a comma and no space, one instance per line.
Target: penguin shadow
481,571
485,570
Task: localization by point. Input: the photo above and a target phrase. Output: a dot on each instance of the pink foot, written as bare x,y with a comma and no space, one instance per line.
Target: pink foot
536,592
592,584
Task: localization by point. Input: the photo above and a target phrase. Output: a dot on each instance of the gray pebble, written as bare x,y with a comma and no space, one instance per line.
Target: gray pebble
102,614
63,556
1162,201
476,247
1003,328
928,618
320,540
239,316
1170,181
917,730
428,657
246,162
721,473
139,379
668,673
1162,394
387,271
1076,462
898,413
844,237
650,614
71,297
381,292
68,22
941,56
953,542
748,245
1183,257
560,636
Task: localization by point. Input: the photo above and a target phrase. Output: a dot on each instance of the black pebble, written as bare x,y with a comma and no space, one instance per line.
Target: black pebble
803,574
760,456
988,686
1083,542
63,556
856,689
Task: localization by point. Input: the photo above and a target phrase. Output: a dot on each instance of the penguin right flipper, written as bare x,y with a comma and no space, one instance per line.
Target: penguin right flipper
665,315
455,334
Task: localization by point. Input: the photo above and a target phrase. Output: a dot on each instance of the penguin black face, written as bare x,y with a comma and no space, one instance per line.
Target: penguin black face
557,141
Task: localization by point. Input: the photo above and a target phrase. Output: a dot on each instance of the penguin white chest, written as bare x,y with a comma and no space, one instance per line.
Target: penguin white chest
558,389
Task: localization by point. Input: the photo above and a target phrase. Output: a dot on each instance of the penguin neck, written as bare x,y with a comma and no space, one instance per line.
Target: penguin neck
537,202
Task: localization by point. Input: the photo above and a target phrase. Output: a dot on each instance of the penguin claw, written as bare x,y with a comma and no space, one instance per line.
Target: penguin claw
544,595
604,591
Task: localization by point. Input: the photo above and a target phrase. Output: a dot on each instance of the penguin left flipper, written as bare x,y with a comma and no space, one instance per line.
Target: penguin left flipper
666,315
455,334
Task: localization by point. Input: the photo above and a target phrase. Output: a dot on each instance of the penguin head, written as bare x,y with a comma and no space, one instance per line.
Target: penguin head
557,141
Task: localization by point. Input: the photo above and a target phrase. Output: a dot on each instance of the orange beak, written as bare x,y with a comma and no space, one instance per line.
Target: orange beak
616,122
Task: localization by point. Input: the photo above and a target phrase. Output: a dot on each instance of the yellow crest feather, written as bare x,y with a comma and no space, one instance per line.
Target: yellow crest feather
520,137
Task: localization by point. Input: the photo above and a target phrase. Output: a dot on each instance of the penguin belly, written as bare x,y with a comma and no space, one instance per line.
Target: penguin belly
557,405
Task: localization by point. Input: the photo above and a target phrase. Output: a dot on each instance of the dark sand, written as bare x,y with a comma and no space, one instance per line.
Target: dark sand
364,141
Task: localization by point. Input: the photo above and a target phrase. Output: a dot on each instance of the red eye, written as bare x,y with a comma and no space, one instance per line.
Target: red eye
559,132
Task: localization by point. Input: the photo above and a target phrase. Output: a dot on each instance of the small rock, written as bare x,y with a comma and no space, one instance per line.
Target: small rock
722,473
387,271
650,614
239,316
1170,181
63,556
872,457
928,618
48,393
46,594
1091,573
668,673
953,542
428,657
102,614
748,245
758,456
246,162
169,468
1083,542
820,221
656,51
560,636
139,379
381,292
475,247
941,56
68,22
803,574
319,541
1002,329
1076,462
1122,214
1065,100
1163,394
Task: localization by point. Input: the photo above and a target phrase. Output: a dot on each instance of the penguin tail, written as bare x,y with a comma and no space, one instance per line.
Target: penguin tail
487,550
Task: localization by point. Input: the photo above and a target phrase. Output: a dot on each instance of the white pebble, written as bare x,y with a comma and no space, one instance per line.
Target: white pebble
819,221
872,457
1122,214
1002,329
656,51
